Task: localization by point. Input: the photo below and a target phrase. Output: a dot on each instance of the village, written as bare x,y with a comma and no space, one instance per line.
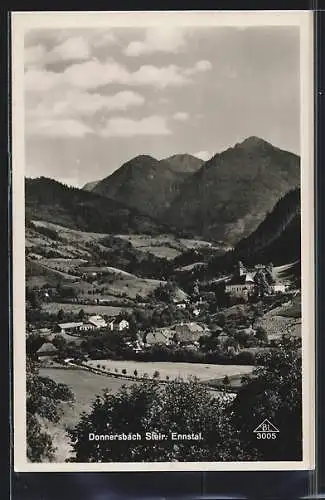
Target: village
189,328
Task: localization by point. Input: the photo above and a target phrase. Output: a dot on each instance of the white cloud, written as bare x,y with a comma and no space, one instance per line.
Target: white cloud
203,155
181,116
76,103
158,39
168,76
93,74
34,55
59,128
53,46
203,66
37,80
127,127
73,48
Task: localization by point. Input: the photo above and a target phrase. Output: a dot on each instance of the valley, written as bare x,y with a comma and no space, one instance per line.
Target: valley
187,280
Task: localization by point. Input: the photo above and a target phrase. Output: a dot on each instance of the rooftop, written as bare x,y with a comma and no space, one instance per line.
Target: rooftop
47,347
70,325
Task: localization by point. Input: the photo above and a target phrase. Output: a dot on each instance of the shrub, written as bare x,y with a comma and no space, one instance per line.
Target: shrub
124,371
156,374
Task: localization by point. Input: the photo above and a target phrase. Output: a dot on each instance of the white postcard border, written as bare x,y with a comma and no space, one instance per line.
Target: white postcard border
22,22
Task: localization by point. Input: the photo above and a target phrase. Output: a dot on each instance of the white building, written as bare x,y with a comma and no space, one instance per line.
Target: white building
97,321
118,325
240,286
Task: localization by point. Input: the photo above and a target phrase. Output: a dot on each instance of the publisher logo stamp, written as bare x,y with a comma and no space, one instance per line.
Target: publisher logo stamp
266,430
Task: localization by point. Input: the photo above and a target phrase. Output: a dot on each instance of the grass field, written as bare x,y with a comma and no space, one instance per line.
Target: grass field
54,308
173,370
85,385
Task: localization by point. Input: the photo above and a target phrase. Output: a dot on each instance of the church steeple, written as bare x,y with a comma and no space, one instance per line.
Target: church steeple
241,269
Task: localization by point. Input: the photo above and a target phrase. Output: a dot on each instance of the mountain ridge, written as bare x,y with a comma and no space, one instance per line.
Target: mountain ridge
145,183
51,201
229,196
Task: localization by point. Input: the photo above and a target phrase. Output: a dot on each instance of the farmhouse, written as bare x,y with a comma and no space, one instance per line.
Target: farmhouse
46,351
188,333
71,327
97,321
162,337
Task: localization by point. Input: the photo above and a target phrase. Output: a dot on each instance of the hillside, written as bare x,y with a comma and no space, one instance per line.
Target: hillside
184,163
230,195
90,185
278,237
144,183
51,201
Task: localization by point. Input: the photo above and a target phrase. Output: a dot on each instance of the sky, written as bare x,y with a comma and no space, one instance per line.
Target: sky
95,98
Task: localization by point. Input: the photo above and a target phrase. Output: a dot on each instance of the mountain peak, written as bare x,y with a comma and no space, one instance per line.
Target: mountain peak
253,141
143,158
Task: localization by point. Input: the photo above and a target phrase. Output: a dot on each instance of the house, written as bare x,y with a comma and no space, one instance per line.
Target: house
278,288
97,321
118,325
46,351
196,312
188,333
162,337
181,305
71,327
87,327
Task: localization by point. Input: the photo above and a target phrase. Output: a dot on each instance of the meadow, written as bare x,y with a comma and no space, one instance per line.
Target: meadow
85,386
172,370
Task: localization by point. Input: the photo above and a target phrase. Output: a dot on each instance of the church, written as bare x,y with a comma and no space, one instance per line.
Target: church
242,283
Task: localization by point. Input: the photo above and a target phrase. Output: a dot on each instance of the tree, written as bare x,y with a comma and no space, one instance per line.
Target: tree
81,315
261,335
226,380
60,315
181,407
43,398
273,392
60,342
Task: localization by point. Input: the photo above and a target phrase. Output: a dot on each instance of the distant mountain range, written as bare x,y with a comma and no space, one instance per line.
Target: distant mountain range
225,198
51,201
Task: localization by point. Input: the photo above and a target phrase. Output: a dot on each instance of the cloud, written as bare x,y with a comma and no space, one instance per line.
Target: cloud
158,39
181,116
72,49
127,127
93,74
34,55
203,66
59,128
76,103
203,155
44,47
38,80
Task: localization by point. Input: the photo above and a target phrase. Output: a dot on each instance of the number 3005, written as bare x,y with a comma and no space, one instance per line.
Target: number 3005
266,435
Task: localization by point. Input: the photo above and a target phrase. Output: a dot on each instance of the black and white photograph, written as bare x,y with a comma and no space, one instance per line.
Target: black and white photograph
163,241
